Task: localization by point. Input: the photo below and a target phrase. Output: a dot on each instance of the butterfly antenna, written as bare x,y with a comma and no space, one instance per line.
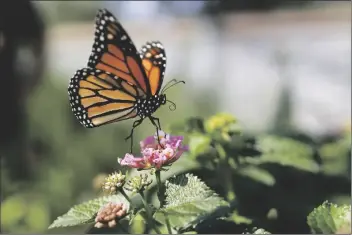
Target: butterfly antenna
172,107
175,83
173,80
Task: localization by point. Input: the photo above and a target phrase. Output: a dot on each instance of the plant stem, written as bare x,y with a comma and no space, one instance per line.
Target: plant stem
149,214
161,199
167,221
228,174
225,171
125,195
160,188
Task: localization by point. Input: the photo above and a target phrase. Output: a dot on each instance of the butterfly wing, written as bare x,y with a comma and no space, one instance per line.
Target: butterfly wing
154,62
113,51
99,98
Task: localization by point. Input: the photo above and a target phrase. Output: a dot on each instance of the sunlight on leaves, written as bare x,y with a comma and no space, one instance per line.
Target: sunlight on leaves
189,201
330,218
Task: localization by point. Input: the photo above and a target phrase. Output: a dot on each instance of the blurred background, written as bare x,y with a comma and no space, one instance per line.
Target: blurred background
276,65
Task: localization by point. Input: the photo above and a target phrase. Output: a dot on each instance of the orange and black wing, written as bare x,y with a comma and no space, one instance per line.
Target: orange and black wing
154,62
99,98
113,51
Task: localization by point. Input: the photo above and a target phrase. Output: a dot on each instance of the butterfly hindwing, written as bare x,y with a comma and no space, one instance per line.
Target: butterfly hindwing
154,62
99,98
113,51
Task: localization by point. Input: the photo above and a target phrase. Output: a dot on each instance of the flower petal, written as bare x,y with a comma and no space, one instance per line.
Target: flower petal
131,161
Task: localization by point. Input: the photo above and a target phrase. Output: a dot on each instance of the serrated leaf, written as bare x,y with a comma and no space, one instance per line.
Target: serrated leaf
260,231
329,218
256,230
286,152
85,212
189,201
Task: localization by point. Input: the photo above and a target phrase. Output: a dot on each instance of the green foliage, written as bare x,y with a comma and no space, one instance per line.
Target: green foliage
137,222
188,201
199,144
238,219
335,155
330,218
85,212
24,213
286,152
257,174
265,175
257,231
247,181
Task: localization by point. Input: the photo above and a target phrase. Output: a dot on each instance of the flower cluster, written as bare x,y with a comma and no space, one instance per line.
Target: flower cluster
113,182
109,214
138,183
157,152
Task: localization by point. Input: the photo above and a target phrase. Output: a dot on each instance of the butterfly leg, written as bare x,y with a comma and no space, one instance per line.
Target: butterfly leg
158,122
135,124
157,125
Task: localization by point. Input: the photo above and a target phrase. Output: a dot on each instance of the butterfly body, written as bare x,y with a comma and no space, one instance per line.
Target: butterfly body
146,107
119,83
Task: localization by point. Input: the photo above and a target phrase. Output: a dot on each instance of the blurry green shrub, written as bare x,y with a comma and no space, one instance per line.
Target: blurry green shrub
23,213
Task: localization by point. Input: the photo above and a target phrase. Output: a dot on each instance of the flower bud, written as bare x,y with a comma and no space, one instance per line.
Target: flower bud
138,183
109,214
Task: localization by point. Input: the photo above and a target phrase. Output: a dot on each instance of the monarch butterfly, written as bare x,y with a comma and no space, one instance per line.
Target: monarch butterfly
119,82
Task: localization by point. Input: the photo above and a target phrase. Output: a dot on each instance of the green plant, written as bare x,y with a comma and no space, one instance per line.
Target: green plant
227,182
330,218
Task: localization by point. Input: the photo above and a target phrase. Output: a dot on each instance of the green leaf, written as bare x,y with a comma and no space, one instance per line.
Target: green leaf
330,218
238,219
85,212
286,152
257,174
12,210
137,221
335,157
256,230
24,213
199,143
190,232
189,201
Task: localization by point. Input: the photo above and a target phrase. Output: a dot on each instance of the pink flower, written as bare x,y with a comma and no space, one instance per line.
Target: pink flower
166,140
155,155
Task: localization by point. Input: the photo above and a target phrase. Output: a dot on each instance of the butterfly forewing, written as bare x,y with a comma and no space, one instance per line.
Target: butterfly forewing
113,51
154,62
99,98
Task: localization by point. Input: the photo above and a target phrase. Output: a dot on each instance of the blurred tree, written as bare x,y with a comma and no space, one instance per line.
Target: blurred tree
21,66
218,7
75,11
